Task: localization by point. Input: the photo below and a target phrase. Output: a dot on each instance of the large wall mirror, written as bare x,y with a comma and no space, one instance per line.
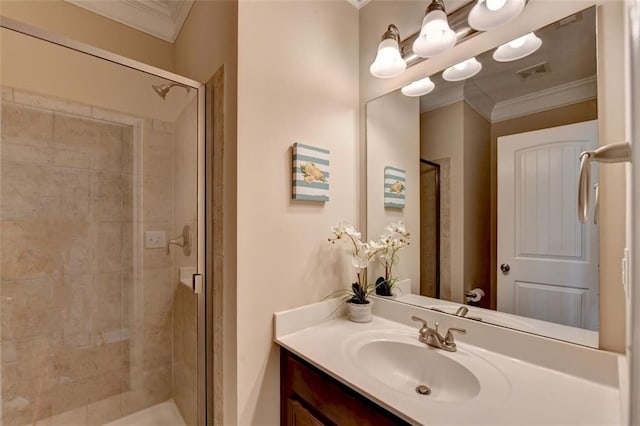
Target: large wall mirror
490,186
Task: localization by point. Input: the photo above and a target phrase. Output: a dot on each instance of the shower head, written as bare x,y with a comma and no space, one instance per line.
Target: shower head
163,89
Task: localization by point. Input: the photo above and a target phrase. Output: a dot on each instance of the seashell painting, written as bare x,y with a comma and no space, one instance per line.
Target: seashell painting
310,173
394,187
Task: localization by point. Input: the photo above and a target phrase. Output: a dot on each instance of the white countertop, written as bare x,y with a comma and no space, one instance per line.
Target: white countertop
534,395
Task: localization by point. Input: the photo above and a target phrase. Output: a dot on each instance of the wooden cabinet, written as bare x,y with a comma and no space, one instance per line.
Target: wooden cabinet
309,397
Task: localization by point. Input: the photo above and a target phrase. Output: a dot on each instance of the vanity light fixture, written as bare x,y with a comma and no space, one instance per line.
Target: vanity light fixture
435,35
463,70
388,62
518,48
418,87
487,14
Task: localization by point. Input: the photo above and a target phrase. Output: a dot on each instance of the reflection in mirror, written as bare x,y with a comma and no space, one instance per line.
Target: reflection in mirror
491,186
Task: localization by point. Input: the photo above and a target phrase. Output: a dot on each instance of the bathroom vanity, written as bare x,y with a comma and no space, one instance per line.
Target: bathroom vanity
334,371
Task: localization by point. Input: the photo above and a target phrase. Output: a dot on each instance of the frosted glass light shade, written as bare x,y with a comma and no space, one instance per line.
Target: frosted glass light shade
463,70
435,36
418,87
487,14
388,62
518,48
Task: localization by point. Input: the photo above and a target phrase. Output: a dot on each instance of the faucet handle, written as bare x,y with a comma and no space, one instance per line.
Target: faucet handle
424,327
449,336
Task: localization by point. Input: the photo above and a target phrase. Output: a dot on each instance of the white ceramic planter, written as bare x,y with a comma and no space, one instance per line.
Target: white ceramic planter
360,313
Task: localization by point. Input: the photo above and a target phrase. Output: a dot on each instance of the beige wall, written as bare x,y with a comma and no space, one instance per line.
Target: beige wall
611,129
442,137
45,68
393,135
460,134
297,82
374,18
477,211
67,20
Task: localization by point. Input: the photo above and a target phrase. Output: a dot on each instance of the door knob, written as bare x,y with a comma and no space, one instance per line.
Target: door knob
505,268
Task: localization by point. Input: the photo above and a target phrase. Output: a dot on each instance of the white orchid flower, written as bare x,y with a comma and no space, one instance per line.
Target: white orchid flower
360,261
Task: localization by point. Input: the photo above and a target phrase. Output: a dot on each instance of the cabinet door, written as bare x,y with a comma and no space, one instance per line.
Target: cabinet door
299,416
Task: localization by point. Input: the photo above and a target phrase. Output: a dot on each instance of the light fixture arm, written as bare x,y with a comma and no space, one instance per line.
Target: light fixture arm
392,33
435,5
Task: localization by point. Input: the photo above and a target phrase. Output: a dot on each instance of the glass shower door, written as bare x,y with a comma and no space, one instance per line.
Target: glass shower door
99,219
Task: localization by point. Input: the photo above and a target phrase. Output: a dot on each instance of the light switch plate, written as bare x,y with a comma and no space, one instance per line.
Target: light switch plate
155,239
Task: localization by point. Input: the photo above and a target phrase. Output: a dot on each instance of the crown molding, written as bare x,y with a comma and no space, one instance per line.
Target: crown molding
358,4
554,97
442,98
152,17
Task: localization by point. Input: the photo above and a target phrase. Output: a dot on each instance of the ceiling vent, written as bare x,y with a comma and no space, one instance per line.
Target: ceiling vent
534,71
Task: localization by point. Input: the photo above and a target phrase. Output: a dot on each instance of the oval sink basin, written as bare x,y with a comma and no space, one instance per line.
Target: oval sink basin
405,366
396,361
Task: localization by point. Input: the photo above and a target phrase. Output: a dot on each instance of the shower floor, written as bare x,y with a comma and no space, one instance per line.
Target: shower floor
163,414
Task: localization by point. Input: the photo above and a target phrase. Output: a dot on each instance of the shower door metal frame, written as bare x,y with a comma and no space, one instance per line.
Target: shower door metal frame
437,167
203,385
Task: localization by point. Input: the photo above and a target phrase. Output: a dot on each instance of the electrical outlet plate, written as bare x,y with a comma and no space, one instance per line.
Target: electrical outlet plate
155,239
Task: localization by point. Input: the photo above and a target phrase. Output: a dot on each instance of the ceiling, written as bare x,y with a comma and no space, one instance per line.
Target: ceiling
159,18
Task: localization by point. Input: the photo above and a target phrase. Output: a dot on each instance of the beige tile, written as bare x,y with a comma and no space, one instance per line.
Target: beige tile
157,153
108,315
113,116
28,349
26,390
185,393
21,411
21,153
50,103
158,297
73,365
108,154
6,94
129,150
75,297
105,411
131,192
80,159
26,126
151,347
28,191
147,388
157,199
128,246
31,248
73,417
109,195
81,133
163,126
75,193
27,310
109,247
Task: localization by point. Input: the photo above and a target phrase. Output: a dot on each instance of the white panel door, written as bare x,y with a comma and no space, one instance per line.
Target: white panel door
547,259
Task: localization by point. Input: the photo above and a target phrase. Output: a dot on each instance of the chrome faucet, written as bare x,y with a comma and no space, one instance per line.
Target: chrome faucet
432,337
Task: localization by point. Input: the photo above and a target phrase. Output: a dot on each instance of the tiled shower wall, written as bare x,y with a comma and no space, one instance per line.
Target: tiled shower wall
86,313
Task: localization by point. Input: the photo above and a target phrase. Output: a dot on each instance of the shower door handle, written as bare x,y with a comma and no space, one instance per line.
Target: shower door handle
197,283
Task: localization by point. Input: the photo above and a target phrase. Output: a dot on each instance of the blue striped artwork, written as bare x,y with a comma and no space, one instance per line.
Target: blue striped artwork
395,187
310,173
